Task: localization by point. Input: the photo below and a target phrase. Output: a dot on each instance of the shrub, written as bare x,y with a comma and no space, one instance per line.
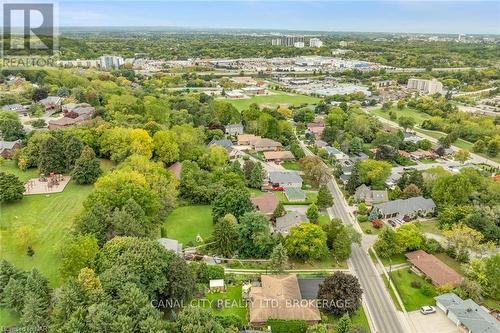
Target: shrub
415,284
377,224
428,290
368,231
362,218
230,321
432,246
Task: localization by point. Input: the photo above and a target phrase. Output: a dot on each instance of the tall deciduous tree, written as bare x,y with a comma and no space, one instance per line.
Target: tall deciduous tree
256,240
325,198
73,147
235,201
51,157
306,241
340,287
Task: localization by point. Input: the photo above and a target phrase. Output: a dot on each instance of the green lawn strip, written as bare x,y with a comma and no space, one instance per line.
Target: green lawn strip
394,260
9,166
311,197
323,219
232,301
273,100
430,226
358,319
412,298
369,229
51,218
185,222
291,165
493,304
408,112
8,318
391,292
324,263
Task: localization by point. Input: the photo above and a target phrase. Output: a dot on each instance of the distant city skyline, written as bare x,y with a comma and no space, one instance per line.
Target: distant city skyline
466,17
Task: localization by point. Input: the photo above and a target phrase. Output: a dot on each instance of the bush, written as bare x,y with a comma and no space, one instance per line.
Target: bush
428,290
230,321
368,231
362,218
415,284
287,326
377,224
432,246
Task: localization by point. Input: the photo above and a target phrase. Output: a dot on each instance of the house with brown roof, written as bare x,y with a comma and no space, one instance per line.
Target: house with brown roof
176,169
265,203
278,156
265,144
315,129
8,148
433,268
279,297
247,139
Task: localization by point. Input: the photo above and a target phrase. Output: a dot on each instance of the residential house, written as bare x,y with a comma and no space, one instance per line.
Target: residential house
8,148
369,196
176,170
265,144
278,156
406,209
255,90
265,203
467,315
228,145
335,153
315,129
285,179
420,154
410,137
359,157
51,103
320,143
234,129
171,244
74,114
279,298
236,94
284,223
437,271
247,139
393,179
18,108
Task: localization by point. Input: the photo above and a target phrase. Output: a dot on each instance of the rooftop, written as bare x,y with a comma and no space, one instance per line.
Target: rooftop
435,269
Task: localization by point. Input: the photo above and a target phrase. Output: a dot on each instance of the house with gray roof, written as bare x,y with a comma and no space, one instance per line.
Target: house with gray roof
171,244
285,179
406,209
335,153
294,194
467,315
224,143
234,129
20,109
369,196
8,148
285,223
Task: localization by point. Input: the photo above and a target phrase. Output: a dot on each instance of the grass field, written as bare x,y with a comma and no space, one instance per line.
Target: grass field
357,319
311,197
412,298
291,165
418,116
7,318
430,226
368,228
50,218
184,223
274,100
233,301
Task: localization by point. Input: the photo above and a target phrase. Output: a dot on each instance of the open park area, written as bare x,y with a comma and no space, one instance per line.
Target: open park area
186,222
274,100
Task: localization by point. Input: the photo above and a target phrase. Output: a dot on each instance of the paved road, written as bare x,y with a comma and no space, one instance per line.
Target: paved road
379,303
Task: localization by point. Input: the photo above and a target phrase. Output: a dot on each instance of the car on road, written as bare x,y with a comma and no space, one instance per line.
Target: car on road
427,309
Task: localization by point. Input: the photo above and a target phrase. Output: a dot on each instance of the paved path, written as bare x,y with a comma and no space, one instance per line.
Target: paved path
380,306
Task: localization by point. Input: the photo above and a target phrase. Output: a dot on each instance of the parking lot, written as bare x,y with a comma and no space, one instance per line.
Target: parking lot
432,323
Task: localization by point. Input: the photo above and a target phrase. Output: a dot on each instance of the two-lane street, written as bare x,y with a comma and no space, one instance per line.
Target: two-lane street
381,308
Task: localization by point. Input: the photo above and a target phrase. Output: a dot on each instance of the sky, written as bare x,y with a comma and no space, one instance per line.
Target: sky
427,16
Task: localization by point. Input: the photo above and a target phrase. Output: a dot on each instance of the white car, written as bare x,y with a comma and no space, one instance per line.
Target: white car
427,309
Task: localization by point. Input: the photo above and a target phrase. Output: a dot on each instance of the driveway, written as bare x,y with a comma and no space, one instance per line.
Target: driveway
432,323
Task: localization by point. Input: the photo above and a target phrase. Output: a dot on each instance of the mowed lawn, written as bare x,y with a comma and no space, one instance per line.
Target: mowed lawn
51,218
184,223
408,112
226,303
274,100
412,298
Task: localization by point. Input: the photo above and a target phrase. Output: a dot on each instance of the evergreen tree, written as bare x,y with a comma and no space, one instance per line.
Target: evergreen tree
51,157
87,167
344,325
256,176
312,213
279,259
73,147
12,297
225,236
11,188
279,211
35,313
325,198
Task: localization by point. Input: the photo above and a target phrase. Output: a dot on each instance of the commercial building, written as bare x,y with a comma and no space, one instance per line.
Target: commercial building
288,41
315,42
428,87
110,62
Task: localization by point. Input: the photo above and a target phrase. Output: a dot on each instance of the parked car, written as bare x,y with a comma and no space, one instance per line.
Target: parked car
427,309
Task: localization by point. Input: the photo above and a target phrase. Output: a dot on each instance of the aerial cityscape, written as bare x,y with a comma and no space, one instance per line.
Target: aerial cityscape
250,166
